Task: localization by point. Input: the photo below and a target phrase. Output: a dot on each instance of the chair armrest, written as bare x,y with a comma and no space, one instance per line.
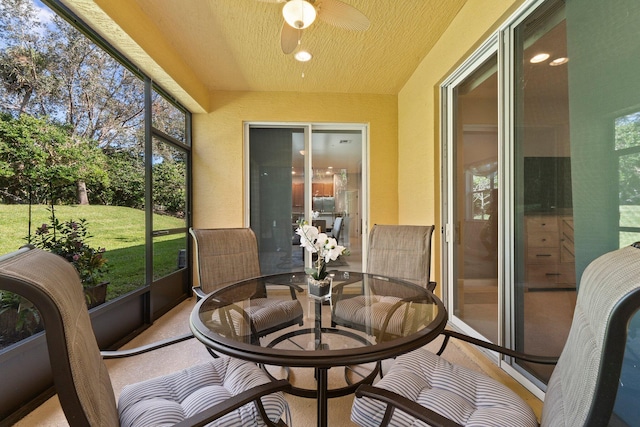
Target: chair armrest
293,288
118,354
543,360
199,292
296,287
396,401
254,394
353,278
431,286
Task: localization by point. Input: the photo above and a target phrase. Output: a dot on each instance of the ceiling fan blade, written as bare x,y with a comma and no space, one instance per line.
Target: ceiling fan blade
342,15
289,37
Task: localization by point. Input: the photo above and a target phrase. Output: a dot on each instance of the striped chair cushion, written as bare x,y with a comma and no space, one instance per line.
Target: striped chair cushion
371,312
267,313
262,314
167,400
465,396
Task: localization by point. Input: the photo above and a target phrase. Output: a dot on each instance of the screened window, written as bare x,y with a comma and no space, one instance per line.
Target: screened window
74,165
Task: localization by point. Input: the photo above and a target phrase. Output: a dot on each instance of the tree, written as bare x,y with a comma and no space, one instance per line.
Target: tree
169,189
40,160
627,143
101,99
23,67
51,69
127,176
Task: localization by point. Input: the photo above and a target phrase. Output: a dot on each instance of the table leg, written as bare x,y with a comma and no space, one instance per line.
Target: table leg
321,377
318,326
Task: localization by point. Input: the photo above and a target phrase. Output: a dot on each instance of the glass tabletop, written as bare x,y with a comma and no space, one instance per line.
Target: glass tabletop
366,318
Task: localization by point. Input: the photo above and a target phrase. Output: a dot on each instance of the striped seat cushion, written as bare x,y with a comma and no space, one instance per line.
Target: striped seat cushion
462,395
167,400
267,313
370,313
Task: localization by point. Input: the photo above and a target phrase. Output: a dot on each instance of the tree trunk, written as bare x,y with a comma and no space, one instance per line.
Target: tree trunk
82,193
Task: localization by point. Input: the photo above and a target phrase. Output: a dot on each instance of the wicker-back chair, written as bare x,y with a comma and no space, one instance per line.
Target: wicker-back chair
217,390
582,388
228,255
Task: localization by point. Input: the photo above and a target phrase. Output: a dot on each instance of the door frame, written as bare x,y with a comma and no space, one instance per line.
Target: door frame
308,128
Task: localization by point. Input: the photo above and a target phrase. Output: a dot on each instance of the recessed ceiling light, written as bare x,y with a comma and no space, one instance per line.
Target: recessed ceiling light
302,56
559,61
539,58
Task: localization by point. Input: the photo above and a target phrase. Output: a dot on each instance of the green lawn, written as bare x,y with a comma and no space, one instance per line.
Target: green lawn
629,217
118,229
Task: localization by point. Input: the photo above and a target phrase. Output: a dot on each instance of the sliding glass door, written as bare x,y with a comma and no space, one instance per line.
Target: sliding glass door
474,201
543,116
305,172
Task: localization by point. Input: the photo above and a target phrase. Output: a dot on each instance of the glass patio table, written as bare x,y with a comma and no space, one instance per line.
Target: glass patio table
394,317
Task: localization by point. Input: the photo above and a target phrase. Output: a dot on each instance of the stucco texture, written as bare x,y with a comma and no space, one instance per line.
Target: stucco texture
218,186
419,169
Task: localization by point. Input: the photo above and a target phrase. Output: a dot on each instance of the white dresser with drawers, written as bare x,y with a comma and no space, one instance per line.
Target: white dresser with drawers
549,253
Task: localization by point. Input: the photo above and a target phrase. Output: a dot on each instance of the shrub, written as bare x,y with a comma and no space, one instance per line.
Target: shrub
69,240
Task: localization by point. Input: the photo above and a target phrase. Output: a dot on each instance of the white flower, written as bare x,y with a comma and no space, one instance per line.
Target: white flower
327,248
332,250
308,237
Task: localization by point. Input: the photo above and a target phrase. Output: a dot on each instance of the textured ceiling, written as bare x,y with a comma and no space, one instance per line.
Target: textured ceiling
235,44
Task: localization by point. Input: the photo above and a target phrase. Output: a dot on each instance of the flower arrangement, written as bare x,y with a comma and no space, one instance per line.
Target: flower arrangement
325,246
68,239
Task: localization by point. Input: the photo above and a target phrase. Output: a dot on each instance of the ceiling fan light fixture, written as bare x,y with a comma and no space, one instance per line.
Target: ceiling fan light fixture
299,13
303,56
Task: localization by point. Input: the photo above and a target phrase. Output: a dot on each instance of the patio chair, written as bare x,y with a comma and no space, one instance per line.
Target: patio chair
337,229
226,391
228,255
582,388
399,251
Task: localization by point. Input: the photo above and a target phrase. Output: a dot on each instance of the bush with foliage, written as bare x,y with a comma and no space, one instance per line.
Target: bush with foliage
69,240
28,317
37,155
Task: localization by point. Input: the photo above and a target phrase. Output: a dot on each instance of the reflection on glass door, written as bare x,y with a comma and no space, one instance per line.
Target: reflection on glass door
336,184
273,196
475,201
627,149
295,176
545,288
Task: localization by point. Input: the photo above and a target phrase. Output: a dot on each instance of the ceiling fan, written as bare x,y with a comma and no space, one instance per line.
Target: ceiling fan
299,14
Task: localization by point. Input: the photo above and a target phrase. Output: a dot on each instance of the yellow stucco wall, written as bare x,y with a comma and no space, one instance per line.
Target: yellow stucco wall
218,147
418,113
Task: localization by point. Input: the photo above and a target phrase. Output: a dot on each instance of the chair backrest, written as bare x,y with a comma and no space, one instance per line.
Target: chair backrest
583,386
401,251
336,229
225,256
80,376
